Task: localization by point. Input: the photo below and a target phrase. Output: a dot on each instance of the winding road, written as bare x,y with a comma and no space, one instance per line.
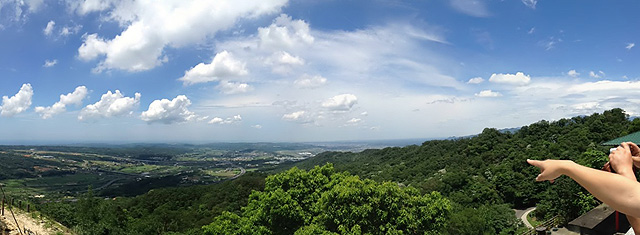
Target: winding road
524,215
242,171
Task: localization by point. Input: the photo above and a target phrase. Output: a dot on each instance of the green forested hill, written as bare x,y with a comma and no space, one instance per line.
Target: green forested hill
490,168
159,211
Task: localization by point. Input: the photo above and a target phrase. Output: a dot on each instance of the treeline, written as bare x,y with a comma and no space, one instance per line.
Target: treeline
16,166
181,210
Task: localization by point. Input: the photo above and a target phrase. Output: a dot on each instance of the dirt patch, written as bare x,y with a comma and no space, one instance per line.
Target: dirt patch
29,225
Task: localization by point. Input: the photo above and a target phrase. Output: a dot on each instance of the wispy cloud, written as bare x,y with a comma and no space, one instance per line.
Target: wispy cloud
49,63
573,73
630,45
532,30
49,28
599,74
475,8
550,43
530,3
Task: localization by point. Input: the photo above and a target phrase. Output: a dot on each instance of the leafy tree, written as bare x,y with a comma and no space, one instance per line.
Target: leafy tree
323,201
486,219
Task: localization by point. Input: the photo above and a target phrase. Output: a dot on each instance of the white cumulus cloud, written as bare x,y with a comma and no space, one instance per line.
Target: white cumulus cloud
18,103
110,105
169,111
295,116
513,79
75,97
310,82
476,80
342,102
229,120
488,93
285,34
152,26
223,65
92,47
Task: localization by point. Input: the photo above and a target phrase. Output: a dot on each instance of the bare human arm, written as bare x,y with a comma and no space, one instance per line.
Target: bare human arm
617,191
622,161
633,221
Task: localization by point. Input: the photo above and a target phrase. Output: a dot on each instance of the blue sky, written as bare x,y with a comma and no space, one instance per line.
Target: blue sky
279,70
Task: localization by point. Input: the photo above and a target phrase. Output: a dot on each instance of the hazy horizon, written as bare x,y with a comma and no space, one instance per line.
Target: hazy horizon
389,142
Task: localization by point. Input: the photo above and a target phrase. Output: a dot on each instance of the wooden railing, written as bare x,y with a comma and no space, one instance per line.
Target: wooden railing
550,223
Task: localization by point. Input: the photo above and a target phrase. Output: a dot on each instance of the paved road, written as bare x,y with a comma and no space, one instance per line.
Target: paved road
523,217
242,171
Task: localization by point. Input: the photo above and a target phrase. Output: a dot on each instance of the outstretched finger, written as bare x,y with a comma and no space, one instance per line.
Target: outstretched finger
535,163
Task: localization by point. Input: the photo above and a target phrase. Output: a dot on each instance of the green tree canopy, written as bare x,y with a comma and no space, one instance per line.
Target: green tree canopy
321,201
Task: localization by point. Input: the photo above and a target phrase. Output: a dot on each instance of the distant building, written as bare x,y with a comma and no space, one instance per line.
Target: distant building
601,220
633,137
